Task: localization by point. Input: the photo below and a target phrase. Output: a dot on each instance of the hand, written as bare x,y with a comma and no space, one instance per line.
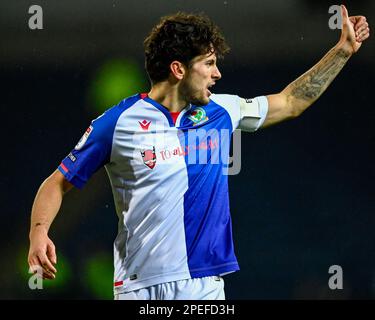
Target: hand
355,30
42,253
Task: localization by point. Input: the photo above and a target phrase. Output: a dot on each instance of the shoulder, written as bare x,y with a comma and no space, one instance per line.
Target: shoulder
225,100
110,117
102,128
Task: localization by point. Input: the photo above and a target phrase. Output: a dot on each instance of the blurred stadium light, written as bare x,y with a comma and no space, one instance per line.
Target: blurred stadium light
112,81
98,276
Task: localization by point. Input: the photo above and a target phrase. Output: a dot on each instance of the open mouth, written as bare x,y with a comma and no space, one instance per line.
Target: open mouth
208,89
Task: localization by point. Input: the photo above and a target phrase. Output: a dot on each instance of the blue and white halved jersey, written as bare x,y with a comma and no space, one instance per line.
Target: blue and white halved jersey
169,185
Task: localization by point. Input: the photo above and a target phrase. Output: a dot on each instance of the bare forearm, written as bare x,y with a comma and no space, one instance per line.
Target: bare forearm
46,205
302,92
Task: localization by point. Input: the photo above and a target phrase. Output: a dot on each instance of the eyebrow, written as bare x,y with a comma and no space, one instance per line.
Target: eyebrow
206,58
211,60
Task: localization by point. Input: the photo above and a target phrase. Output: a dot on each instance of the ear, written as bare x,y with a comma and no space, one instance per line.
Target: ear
178,69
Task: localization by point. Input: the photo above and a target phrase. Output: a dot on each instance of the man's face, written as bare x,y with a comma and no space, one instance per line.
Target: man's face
201,75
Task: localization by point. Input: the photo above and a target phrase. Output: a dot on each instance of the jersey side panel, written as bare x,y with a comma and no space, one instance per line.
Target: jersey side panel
149,179
207,219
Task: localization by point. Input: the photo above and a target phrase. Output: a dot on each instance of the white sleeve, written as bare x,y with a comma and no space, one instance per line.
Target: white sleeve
253,113
231,103
245,114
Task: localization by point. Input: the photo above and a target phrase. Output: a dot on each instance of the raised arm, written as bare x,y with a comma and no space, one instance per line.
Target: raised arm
45,208
301,93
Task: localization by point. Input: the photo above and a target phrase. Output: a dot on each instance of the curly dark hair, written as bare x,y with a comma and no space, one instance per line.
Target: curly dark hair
181,37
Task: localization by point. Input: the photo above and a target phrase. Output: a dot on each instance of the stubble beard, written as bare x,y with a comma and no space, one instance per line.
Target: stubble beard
194,96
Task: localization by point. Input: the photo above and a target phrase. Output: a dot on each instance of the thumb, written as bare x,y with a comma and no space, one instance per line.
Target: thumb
344,14
345,20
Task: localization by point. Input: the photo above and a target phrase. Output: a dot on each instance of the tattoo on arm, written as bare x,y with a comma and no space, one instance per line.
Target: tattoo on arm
313,83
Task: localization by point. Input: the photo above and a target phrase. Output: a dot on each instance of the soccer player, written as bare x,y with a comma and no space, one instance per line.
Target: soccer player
166,155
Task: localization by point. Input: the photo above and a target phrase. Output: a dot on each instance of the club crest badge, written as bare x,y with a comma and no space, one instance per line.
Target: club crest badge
198,116
149,157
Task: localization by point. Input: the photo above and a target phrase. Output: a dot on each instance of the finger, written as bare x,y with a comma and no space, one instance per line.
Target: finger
361,27
363,33
357,18
364,37
46,264
51,253
48,275
41,272
352,20
34,266
359,21
32,261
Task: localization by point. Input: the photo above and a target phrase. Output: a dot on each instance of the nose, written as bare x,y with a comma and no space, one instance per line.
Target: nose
216,74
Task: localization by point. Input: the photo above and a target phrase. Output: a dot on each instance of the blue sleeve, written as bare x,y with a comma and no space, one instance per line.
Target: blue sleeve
93,150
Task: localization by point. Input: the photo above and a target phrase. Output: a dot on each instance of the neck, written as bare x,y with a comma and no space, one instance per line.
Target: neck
168,96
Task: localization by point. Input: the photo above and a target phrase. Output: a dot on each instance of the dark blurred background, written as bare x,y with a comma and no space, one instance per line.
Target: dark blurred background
304,199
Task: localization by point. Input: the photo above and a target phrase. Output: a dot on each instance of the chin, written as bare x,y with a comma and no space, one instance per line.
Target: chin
200,101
